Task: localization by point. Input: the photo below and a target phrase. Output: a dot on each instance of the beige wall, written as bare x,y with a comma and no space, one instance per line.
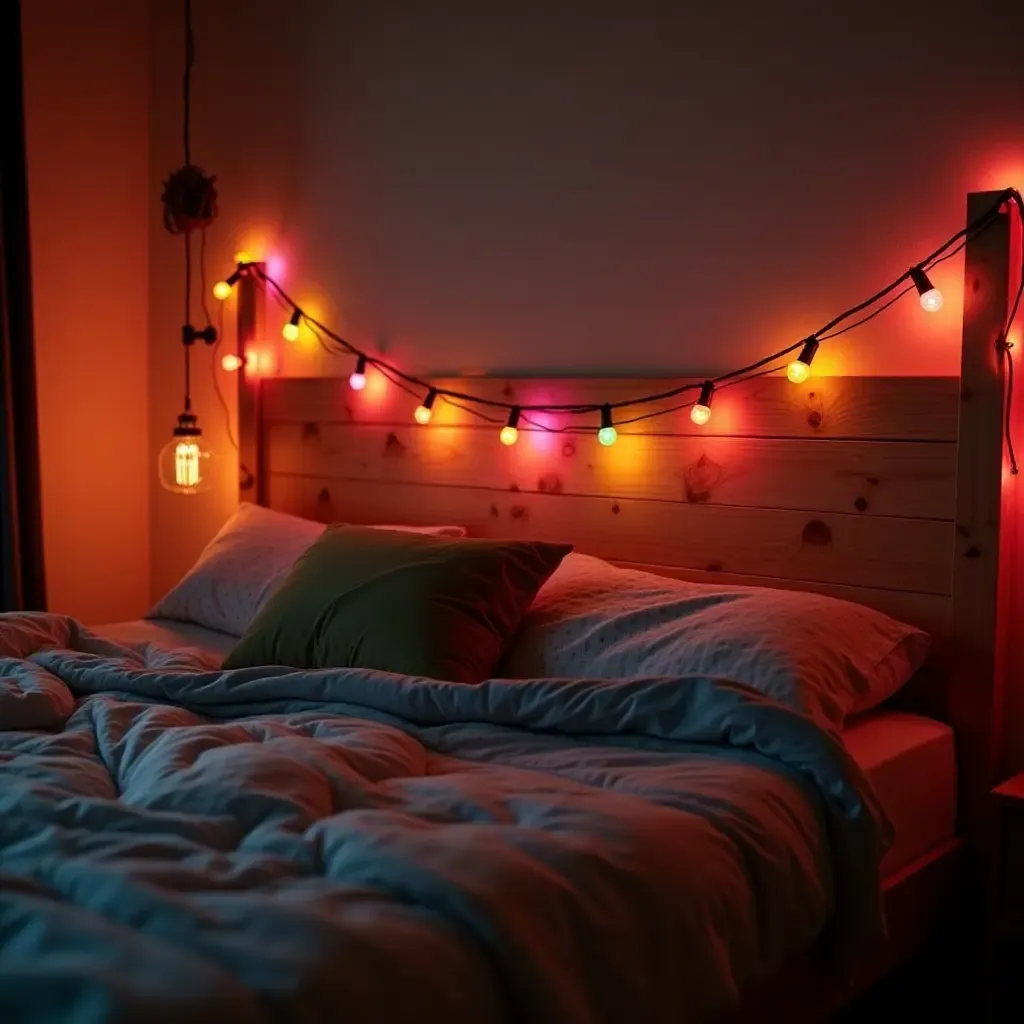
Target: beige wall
584,187
87,119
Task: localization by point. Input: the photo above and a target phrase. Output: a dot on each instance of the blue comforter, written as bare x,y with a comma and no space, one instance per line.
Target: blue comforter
184,844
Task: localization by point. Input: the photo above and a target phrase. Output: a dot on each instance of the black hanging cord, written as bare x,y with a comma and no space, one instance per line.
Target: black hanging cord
190,56
188,310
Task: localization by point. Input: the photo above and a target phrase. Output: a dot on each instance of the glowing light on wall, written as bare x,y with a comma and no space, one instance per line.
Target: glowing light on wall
424,411
510,432
931,297
701,412
357,380
800,369
607,435
232,362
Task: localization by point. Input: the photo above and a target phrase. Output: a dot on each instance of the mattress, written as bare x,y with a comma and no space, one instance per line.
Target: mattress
166,633
911,763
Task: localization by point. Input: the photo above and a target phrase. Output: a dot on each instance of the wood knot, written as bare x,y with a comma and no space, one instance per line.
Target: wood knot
817,533
519,512
814,419
507,390
962,530
972,552
861,504
873,481
324,496
615,509
700,479
568,449
514,488
392,446
549,483
713,567
310,432
494,511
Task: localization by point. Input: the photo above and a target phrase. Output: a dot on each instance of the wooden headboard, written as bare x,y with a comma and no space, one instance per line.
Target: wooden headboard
885,491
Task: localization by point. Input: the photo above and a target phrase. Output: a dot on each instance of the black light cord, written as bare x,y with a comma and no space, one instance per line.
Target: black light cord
335,344
190,56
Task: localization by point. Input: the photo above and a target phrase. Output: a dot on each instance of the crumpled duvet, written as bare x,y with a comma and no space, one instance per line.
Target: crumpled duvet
179,843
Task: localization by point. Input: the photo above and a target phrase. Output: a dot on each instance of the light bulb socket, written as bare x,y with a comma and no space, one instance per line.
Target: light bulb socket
513,417
921,280
190,335
707,392
808,352
234,278
428,402
606,416
361,365
295,317
188,426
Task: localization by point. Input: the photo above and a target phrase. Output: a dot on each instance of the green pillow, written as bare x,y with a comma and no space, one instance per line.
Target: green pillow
400,602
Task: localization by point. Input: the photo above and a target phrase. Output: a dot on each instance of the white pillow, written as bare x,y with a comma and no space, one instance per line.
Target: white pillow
244,564
824,657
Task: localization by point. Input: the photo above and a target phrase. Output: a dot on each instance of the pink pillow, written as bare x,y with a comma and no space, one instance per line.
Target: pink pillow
818,655
245,563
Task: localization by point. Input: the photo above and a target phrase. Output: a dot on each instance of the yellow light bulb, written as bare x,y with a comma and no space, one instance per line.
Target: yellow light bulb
932,300
231,362
290,331
700,414
508,435
186,464
423,414
243,257
221,290
798,372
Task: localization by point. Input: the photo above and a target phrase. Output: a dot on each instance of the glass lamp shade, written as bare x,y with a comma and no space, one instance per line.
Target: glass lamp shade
187,464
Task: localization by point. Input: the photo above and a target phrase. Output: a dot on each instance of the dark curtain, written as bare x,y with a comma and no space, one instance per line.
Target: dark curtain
22,582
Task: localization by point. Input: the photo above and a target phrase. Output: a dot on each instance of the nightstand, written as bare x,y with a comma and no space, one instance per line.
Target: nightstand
1006,917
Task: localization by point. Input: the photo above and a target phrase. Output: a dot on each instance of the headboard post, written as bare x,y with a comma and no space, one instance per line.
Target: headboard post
251,320
976,693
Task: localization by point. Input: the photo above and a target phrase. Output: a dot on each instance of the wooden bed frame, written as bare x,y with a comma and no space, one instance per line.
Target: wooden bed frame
887,491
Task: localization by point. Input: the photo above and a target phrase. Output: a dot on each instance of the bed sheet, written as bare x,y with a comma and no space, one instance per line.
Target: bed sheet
169,634
910,762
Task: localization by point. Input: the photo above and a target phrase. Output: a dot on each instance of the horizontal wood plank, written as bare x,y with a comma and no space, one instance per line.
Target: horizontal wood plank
898,554
892,408
908,479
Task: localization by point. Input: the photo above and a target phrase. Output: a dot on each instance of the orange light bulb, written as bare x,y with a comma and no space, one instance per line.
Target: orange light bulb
221,290
426,410
232,362
290,332
931,297
701,411
800,369
510,432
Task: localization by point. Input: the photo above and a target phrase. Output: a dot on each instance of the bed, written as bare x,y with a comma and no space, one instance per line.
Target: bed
279,844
